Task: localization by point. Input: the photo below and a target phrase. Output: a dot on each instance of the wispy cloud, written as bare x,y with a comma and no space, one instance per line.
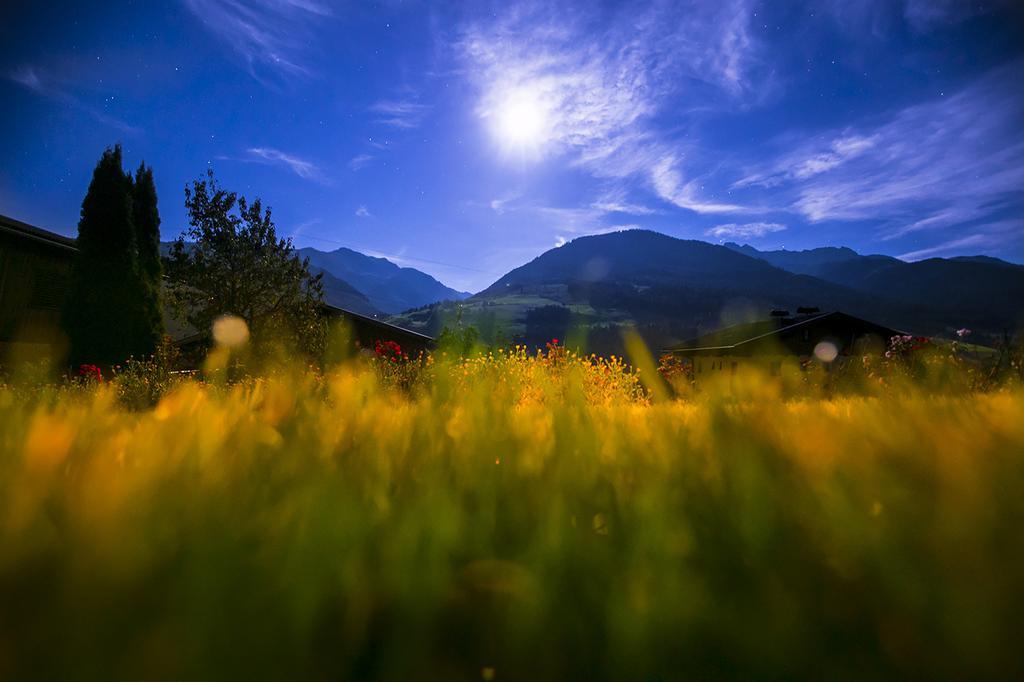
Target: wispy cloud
596,91
28,77
806,163
843,149
402,114
360,161
617,200
564,222
610,211
669,184
363,212
301,228
270,36
744,231
952,245
498,205
990,237
955,159
306,170
624,207
570,220
51,88
573,92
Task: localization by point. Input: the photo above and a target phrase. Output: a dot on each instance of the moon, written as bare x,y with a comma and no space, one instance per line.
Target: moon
521,120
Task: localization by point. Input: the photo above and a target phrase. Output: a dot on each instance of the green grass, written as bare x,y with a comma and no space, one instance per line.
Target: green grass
519,518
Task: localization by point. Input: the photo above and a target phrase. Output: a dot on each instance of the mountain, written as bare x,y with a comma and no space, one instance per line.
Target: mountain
669,289
337,292
341,294
984,292
985,259
368,285
808,262
639,256
388,287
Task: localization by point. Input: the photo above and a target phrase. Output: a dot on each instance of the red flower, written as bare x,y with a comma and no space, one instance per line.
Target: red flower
389,350
91,372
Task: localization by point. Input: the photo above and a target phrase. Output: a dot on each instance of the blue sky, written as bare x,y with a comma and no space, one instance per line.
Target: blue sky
465,139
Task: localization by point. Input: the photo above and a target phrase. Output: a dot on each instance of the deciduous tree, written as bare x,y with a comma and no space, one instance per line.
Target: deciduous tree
230,261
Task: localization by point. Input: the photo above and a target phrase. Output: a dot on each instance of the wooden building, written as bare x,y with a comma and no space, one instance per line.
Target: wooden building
35,268
827,337
368,330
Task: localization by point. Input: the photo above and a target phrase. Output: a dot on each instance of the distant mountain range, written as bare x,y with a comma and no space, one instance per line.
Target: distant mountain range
984,291
341,294
387,287
672,289
368,285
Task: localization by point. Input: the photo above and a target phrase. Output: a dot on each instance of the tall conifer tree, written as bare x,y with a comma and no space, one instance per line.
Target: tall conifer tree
101,309
146,221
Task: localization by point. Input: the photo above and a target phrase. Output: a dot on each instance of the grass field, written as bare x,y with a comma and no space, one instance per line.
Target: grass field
511,517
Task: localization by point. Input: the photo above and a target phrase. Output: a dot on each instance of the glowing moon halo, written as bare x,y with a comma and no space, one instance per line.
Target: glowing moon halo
521,120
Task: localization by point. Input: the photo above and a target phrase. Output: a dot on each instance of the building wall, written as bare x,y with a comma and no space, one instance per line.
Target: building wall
770,364
33,283
365,333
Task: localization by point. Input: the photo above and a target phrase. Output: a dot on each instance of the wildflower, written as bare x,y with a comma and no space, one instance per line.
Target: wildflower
90,373
389,350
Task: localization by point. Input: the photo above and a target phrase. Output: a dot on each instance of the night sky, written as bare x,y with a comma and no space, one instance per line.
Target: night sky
465,139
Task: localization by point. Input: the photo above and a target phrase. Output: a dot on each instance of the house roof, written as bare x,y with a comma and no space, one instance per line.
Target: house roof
374,322
742,336
17,228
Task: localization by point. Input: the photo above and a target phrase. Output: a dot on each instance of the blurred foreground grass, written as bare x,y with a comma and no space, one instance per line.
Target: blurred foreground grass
512,520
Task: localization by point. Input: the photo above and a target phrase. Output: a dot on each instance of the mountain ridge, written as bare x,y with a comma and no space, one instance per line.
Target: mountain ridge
368,285
389,287
984,289
671,289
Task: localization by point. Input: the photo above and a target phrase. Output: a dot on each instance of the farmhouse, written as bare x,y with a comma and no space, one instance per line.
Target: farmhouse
368,330
35,267
810,334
